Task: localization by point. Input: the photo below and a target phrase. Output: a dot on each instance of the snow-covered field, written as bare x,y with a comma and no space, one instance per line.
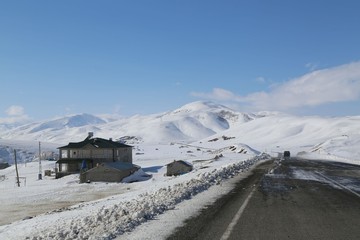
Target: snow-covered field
62,208
198,133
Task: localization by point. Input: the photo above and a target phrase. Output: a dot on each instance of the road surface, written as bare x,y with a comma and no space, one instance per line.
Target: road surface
289,199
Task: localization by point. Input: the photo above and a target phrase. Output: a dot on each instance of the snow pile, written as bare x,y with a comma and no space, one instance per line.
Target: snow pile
343,148
137,176
115,219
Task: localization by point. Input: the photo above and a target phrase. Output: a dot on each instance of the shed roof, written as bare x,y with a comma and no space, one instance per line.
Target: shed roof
120,165
74,160
181,162
117,166
96,143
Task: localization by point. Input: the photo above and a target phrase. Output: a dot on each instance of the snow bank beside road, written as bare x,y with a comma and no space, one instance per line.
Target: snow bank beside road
327,157
112,219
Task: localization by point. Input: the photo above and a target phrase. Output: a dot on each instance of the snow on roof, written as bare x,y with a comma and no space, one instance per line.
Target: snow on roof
182,162
95,142
119,165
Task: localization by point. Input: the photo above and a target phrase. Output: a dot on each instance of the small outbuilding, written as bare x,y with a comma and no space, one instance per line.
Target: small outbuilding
108,172
178,167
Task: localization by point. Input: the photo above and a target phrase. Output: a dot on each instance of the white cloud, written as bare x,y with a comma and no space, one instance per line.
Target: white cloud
218,94
260,80
15,114
338,84
15,110
324,86
311,66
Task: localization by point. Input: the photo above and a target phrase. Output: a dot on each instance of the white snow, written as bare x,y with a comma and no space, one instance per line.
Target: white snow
220,143
63,209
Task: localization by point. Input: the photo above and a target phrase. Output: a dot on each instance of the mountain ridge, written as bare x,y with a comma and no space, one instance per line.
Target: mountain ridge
200,124
190,122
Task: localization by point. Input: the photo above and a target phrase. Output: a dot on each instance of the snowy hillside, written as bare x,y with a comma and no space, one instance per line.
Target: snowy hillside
55,129
26,151
199,122
68,122
328,137
220,144
191,122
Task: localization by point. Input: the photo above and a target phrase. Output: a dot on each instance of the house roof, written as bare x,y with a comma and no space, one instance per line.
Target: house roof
120,165
74,160
96,143
181,162
117,165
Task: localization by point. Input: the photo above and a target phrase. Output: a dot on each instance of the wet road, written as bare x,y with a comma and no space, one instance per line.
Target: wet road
292,199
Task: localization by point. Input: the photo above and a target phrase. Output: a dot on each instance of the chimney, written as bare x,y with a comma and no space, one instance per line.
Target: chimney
110,139
90,135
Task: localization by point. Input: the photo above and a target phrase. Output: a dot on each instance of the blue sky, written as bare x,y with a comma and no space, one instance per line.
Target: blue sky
142,57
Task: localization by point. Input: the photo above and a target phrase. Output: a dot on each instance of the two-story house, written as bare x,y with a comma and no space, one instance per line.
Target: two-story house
81,156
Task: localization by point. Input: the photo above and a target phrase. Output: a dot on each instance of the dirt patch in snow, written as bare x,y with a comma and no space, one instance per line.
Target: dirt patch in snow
11,212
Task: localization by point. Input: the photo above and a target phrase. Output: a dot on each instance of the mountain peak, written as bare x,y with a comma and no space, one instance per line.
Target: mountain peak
190,122
199,106
71,121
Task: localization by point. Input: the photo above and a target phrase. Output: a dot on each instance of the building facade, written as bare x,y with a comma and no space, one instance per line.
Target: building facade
81,156
108,172
178,167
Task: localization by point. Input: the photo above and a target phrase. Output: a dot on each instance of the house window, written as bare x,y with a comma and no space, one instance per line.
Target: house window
64,154
74,153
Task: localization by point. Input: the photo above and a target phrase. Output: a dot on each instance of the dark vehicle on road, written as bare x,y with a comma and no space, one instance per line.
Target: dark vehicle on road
286,154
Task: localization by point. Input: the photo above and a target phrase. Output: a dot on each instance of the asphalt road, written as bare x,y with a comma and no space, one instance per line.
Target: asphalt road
291,199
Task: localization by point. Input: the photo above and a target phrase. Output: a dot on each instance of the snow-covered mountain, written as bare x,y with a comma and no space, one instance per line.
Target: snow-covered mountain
191,122
54,130
200,123
69,122
219,142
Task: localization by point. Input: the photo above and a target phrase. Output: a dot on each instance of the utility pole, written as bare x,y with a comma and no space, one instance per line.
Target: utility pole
40,169
17,172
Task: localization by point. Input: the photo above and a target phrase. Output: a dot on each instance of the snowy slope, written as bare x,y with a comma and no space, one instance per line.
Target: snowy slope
68,122
65,209
189,123
26,151
275,133
55,130
219,142
200,122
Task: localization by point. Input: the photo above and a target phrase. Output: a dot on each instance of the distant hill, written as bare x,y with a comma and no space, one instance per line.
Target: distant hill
191,122
203,123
